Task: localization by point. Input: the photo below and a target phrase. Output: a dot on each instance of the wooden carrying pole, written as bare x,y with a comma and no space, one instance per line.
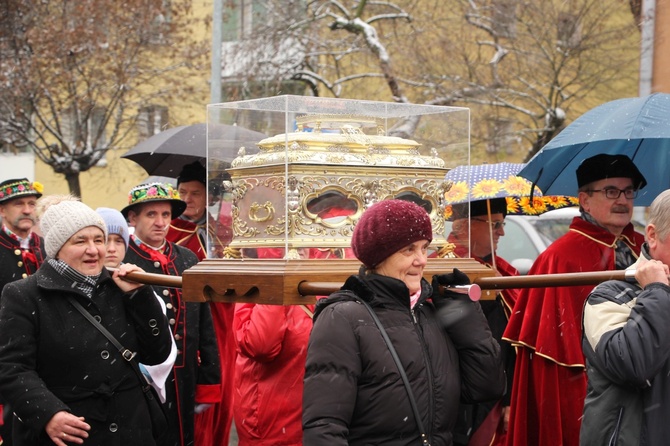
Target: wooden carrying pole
554,280
309,288
500,283
154,279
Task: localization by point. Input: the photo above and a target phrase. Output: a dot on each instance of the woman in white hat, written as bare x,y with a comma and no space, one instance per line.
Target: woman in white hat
65,381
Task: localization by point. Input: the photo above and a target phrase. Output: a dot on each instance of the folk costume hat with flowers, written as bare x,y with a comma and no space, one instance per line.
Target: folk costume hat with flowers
19,187
387,227
152,193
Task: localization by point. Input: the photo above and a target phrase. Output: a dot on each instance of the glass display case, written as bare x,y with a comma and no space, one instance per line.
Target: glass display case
288,184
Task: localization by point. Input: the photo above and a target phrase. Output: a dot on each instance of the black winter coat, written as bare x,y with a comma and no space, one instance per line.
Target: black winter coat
196,376
15,263
353,393
53,359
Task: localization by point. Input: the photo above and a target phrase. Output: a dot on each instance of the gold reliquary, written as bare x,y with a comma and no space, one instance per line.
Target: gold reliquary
295,176
308,187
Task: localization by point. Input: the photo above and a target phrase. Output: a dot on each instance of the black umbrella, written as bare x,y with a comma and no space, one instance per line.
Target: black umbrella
166,153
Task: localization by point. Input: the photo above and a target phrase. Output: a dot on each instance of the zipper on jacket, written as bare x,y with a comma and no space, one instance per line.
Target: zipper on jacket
615,435
429,371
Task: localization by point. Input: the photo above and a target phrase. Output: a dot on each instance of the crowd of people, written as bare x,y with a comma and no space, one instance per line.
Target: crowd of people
391,358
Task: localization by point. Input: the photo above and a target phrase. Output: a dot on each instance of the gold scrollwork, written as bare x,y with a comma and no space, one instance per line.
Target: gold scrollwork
232,253
276,230
240,228
446,251
256,212
305,227
275,183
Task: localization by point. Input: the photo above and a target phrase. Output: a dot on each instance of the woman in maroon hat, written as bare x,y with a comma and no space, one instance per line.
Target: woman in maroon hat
354,392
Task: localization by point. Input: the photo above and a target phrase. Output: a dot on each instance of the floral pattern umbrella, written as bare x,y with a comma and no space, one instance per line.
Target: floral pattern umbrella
500,180
479,182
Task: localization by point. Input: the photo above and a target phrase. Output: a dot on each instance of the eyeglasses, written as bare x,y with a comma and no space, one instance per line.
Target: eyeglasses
495,225
613,193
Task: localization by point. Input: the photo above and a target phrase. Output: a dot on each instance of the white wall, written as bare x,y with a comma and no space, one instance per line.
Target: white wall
17,166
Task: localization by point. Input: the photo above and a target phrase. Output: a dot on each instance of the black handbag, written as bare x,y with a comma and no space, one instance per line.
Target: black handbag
425,441
159,424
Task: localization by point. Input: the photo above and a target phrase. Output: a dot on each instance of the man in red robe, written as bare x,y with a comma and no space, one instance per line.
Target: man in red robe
549,384
477,237
196,230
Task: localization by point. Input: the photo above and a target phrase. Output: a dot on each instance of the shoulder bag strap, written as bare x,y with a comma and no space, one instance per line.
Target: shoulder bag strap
307,311
401,370
128,355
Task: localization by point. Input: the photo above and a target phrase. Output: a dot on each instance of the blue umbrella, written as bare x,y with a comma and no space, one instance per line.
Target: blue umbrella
636,127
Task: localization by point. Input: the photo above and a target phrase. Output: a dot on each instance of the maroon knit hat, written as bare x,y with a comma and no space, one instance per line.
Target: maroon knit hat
388,226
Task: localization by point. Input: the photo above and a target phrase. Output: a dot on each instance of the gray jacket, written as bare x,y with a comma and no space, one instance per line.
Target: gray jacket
626,343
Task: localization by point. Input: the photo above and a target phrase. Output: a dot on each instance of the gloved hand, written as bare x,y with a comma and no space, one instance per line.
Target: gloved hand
458,277
447,280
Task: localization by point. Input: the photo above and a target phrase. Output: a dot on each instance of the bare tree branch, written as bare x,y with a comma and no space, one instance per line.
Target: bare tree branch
524,68
74,75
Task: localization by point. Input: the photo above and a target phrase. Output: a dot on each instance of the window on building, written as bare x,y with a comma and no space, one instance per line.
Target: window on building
97,136
13,147
84,128
504,17
569,34
14,127
157,32
241,18
152,120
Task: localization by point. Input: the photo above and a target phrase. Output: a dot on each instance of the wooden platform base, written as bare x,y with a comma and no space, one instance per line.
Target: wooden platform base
290,282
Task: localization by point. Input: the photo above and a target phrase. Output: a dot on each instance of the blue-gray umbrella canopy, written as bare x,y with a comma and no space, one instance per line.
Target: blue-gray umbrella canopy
636,127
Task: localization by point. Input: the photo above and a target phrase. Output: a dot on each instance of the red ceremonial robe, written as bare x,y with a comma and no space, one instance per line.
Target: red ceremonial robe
185,233
212,427
549,384
504,269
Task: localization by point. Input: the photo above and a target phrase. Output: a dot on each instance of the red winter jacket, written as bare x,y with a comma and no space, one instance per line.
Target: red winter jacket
272,348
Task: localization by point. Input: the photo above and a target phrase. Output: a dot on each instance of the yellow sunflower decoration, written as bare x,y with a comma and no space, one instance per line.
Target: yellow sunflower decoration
539,205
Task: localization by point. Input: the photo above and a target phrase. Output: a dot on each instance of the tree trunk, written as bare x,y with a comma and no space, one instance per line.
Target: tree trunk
73,184
636,9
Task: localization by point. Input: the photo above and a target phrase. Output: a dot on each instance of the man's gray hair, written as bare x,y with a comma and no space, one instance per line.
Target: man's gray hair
659,214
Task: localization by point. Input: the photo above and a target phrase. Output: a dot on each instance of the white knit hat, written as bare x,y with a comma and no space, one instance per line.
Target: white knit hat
61,220
116,223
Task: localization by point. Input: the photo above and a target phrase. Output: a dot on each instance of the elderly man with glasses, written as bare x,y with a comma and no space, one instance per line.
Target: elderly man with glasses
546,323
